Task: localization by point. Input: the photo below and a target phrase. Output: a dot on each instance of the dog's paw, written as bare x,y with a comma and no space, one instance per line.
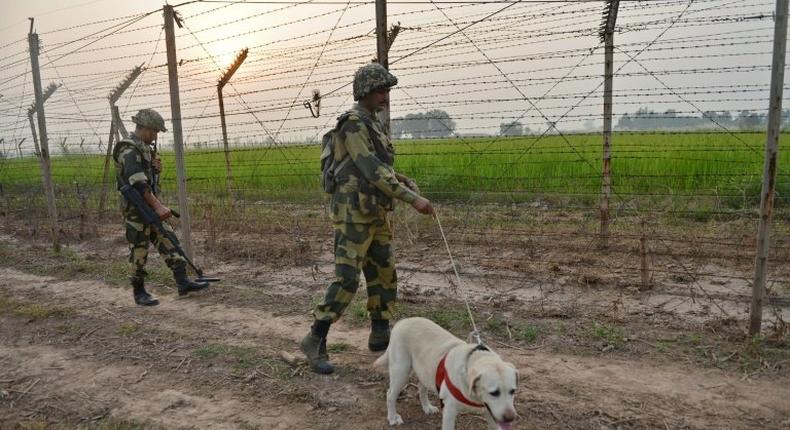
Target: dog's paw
396,420
430,410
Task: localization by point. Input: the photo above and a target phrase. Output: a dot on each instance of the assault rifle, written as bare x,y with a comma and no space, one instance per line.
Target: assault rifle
150,217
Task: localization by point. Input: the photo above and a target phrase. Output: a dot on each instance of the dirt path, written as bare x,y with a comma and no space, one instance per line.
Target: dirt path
133,392
209,362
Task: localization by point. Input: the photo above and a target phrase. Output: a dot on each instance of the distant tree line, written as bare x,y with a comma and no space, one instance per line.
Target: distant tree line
513,128
437,123
647,119
431,124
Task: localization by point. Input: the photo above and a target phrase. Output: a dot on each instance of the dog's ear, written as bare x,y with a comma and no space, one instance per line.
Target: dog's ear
474,377
515,370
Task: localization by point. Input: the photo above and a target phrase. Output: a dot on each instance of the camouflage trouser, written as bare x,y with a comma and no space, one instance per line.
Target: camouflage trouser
140,236
366,248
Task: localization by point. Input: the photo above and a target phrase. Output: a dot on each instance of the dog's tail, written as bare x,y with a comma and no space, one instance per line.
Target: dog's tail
382,362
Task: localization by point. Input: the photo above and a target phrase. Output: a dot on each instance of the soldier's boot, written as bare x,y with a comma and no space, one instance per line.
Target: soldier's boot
314,348
185,285
379,338
141,297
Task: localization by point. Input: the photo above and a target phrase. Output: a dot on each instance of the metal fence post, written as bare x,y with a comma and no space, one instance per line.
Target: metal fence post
769,171
607,34
178,140
49,188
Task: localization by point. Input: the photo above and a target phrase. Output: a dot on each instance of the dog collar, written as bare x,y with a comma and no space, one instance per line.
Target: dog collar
443,377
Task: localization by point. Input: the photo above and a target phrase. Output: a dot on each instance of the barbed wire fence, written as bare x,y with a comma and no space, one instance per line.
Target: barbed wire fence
497,116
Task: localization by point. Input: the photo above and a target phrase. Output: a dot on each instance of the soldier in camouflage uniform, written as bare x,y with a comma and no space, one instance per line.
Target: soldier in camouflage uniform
135,166
365,192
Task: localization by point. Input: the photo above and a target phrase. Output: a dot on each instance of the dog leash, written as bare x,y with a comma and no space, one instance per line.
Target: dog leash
475,333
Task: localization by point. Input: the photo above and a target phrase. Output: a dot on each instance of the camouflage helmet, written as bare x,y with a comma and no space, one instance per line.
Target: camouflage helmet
370,77
149,118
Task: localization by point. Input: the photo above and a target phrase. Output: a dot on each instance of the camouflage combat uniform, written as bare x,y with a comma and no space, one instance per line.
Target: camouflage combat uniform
364,187
132,165
365,192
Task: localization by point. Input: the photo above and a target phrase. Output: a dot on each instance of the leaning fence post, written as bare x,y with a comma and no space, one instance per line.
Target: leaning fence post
115,125
32,112
106,170
223,80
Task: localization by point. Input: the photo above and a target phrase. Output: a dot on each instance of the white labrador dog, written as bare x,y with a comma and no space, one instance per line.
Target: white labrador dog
466,377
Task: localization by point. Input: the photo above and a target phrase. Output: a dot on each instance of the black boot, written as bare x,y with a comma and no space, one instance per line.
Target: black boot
379,338
314,348
141,297
185,285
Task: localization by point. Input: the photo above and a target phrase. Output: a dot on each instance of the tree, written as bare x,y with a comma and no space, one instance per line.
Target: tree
625,122
513,128
439,123
397,128
433,123
415,125
750,120
724,118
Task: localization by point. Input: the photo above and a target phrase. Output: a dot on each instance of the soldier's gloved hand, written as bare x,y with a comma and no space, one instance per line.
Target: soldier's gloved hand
412,185
163,212
423,206
408,182
156,163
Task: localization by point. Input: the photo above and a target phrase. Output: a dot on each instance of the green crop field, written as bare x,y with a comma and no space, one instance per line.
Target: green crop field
704,166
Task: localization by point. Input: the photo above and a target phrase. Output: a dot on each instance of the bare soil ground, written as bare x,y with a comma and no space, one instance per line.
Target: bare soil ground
594,350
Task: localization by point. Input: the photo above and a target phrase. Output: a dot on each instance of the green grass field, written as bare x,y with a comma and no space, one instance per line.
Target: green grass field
706,166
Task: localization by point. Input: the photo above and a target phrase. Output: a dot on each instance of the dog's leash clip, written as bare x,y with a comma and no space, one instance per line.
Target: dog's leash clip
476,336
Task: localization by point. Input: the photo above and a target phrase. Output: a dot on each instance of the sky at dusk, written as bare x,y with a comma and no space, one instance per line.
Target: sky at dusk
532,61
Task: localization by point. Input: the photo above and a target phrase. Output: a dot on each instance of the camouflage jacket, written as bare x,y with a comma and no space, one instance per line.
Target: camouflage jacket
132,160
367,187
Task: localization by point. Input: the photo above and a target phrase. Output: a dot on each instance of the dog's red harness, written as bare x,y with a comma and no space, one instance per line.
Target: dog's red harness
442,376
